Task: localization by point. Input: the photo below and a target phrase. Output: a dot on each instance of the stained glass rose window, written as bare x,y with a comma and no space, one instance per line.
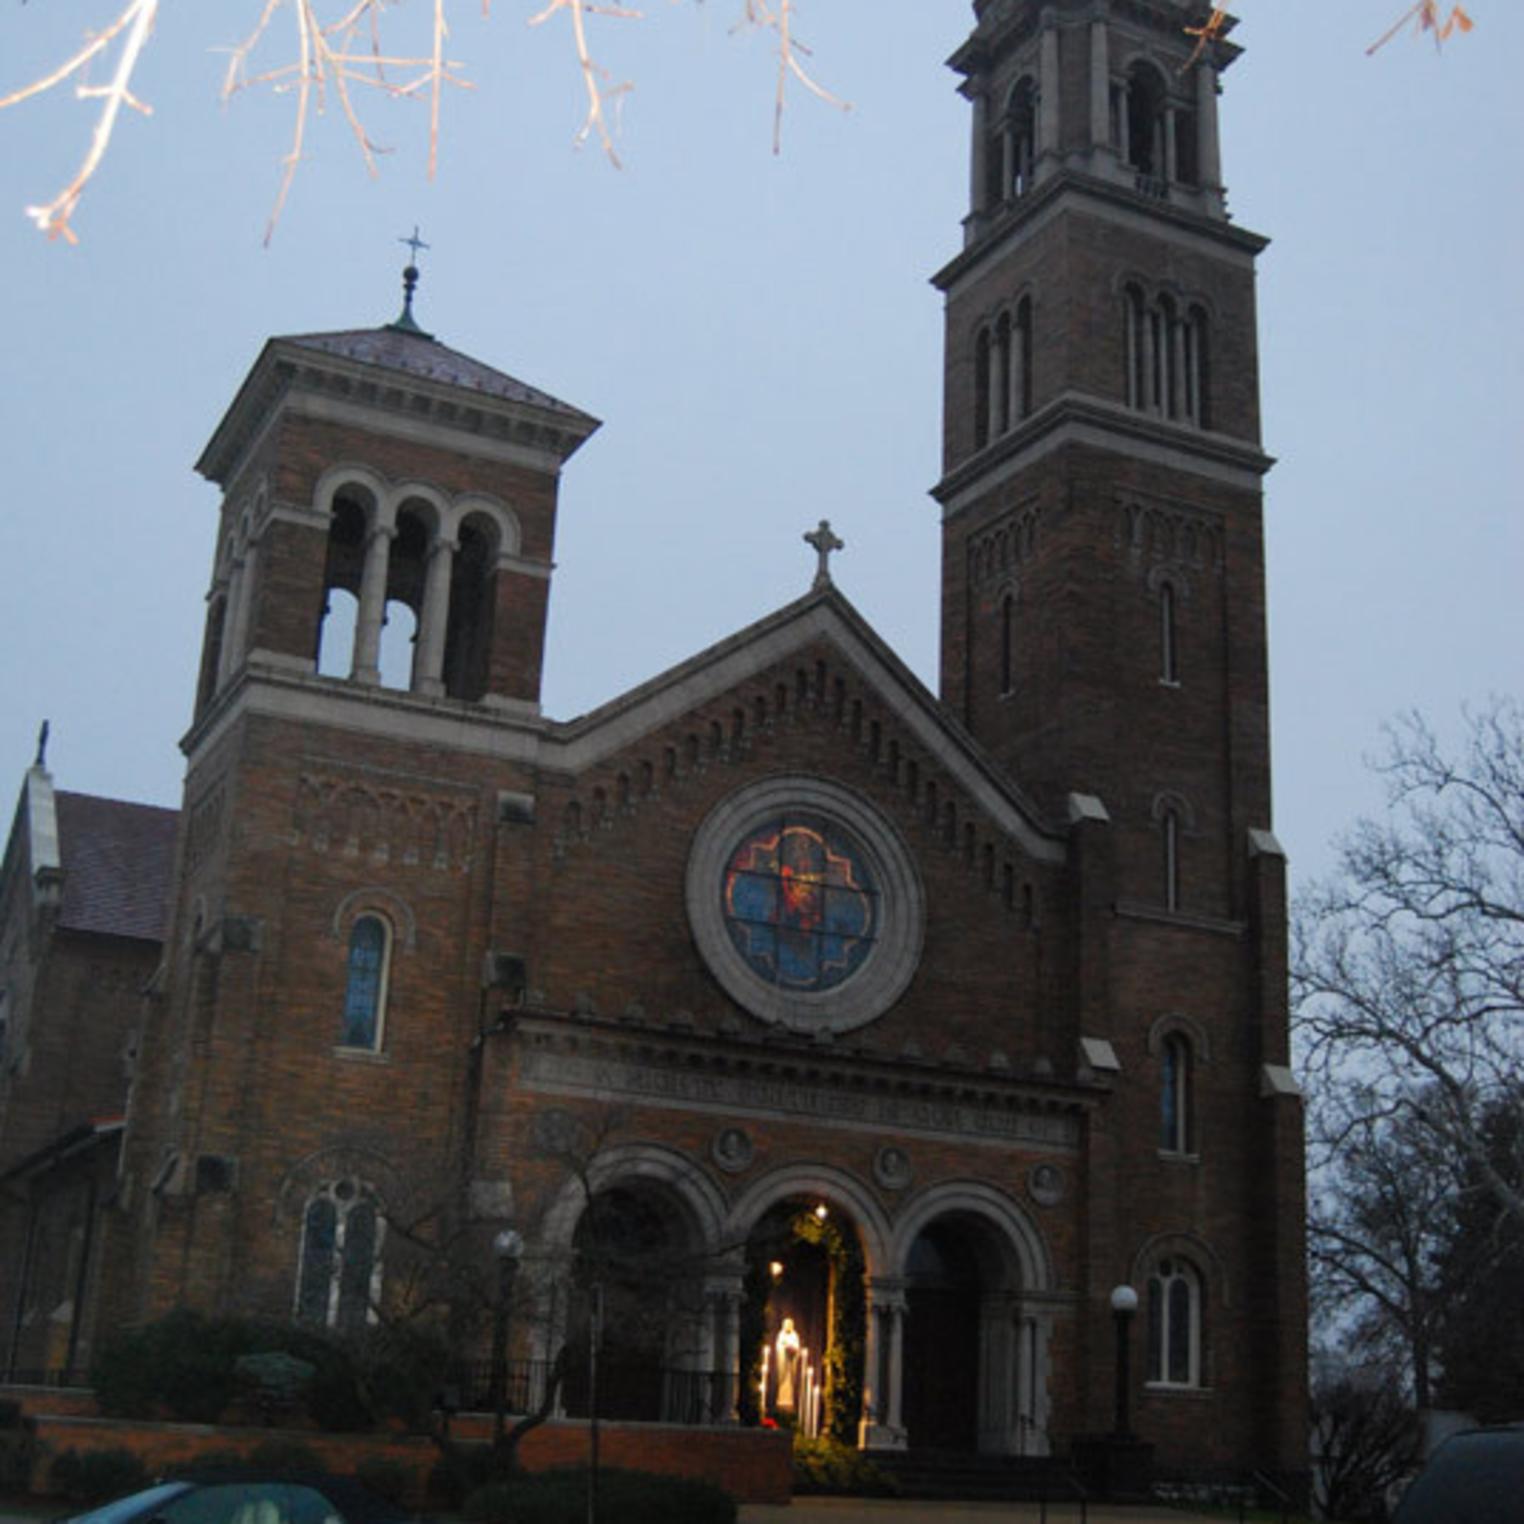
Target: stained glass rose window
805,903
800,902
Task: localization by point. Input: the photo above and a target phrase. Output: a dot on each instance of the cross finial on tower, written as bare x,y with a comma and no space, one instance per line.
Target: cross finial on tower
824,542
406,323
42,746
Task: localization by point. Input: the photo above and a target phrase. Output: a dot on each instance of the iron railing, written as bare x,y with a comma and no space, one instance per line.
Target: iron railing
626,1390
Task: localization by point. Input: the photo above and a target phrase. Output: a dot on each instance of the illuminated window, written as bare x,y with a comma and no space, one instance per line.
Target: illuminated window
800,903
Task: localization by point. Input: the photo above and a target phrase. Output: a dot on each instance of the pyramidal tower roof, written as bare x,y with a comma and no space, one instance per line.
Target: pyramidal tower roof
397,369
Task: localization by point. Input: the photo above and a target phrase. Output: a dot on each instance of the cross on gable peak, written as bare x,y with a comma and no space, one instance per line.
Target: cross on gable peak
823,540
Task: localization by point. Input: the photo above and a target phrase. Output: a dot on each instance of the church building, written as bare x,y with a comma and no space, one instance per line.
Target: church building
902,1029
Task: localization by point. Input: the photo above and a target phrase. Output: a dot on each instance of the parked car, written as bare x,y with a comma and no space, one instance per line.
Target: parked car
1474,1477
236,1497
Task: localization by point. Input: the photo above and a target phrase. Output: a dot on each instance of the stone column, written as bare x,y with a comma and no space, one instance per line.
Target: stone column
977,151
1148,398
428,660
1208,142
881,1426
896,1312
232,601
1018,376
1171,163
235,640
1048,94
1100,87
366,667
1179,395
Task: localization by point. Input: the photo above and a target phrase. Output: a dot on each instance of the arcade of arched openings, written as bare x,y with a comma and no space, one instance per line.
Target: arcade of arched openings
1003,373
406,559
803,1307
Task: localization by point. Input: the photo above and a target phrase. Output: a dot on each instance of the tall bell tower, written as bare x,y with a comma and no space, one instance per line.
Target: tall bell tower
1103,610
1103,635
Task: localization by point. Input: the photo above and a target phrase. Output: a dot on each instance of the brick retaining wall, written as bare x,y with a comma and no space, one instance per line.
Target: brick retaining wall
754,1466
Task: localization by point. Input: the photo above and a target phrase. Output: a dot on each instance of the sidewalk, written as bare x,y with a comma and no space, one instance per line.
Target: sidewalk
898,1511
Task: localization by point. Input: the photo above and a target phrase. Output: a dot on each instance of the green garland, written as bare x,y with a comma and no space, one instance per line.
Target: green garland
843,1363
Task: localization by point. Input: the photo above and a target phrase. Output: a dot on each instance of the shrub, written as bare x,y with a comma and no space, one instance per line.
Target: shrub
459,1473
632,1497
184,1361
18,1448
97,1475
825,1465
283,1457
188,1363
386,1477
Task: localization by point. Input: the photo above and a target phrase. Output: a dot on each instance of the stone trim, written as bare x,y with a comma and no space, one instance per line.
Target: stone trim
733,1079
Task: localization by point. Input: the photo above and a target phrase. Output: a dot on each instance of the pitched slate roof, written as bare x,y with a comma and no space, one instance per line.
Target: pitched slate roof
117,861
417,355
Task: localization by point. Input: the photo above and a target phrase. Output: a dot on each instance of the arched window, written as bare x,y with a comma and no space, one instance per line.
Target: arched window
334,648
338,1277
1169,662
1144,129
1002,377
1169,841
982,389
1021,360
1174,1324
1007,615
365,987
1175,1095
1021,136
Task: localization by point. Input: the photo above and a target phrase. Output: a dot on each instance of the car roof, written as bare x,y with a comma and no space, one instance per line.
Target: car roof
360,1504
1474,1477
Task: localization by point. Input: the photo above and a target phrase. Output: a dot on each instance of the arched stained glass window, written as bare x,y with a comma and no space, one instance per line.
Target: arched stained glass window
365,988
338,1275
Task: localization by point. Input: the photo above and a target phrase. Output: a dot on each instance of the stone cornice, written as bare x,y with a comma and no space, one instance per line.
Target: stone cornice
763,1072
1103,198
1075,419
289,375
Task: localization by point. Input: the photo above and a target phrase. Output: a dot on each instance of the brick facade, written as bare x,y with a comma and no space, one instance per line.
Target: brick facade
1078,1079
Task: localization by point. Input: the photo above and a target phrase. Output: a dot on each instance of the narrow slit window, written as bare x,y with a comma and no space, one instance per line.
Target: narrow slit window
365,987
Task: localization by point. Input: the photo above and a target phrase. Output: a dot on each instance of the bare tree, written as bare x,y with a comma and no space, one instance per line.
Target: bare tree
1365,1441
1408,967
339,51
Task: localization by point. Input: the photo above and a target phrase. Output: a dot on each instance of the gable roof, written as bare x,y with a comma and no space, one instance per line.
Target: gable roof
822,614
117,861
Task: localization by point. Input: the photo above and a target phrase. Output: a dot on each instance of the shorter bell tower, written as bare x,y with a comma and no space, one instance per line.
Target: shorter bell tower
373,479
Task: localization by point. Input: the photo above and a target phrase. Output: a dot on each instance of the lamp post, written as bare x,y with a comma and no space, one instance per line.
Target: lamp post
507,1249
1124,1302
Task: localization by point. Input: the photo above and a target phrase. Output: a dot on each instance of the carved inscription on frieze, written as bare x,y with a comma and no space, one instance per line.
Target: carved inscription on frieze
795,1097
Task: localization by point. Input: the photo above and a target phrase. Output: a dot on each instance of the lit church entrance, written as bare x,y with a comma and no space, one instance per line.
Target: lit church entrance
803,1322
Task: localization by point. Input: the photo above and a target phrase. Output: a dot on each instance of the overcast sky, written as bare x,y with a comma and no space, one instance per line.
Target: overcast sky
759,336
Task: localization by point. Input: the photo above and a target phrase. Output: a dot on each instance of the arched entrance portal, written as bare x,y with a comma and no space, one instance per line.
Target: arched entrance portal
803,1321
974,1353
943,1295
637,1270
